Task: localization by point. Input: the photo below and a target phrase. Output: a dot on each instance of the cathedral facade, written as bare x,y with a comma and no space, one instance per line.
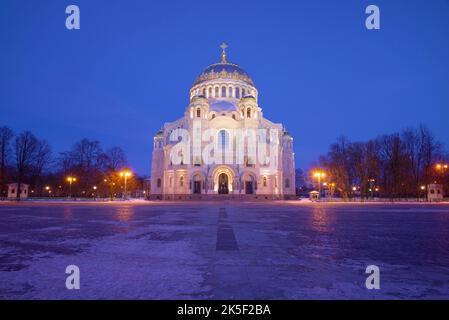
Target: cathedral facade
223,146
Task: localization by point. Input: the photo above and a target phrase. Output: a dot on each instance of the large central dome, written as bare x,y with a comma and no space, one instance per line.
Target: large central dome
223,81
224,70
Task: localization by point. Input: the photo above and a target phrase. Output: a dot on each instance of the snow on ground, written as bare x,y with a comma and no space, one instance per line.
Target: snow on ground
224,250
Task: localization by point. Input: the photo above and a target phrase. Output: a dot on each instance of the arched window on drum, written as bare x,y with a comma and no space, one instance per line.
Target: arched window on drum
223,140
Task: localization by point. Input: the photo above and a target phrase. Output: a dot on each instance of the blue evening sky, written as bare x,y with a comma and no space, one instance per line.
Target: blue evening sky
128,70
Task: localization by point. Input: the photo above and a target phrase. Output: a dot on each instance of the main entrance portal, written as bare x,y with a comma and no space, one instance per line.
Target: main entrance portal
223,184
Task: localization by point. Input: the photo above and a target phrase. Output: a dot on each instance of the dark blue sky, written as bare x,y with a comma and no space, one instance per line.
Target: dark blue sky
128,70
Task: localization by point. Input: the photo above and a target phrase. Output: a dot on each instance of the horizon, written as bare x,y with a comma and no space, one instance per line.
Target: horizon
117,80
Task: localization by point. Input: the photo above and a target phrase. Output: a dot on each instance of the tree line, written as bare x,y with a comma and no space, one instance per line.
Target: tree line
24,158
393,165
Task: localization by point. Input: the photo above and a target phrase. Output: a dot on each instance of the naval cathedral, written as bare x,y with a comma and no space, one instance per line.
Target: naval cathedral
224,102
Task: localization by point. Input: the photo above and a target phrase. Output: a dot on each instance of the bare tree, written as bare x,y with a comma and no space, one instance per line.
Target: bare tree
6,134
86,160
114,159
338,166
25,147
41,163
398,163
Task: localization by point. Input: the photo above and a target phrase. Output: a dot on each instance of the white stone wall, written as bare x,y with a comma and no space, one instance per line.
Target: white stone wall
178,180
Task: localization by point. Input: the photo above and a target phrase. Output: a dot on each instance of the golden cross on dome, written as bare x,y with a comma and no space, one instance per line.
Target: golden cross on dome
223,46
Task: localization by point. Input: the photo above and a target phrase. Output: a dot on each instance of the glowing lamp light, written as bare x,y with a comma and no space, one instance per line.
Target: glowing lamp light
125,174
319,174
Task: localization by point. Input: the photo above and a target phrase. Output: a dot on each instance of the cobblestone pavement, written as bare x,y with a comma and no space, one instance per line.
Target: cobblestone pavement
224,250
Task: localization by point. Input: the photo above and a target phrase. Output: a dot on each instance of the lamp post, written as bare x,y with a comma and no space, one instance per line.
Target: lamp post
48,189
423,188
125,174
371,187
319,175
70,181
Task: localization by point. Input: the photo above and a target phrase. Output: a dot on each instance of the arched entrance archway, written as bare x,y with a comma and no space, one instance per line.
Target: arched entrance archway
223,184
223,179
249,183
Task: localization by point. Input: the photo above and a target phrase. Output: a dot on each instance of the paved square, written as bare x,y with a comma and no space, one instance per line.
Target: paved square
224,250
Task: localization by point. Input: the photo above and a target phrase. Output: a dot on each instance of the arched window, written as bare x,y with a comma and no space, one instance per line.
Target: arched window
213,116
287,183
233,116
158,183
210,92
181,181
223,92
204,92
248,113
237,93
216,92
198,113
223,139
243,92
230,92
264,181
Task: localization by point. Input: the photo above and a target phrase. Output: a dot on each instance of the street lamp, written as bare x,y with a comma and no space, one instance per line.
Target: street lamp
125,174
371,185
423,188
319,175
70,180
441,167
